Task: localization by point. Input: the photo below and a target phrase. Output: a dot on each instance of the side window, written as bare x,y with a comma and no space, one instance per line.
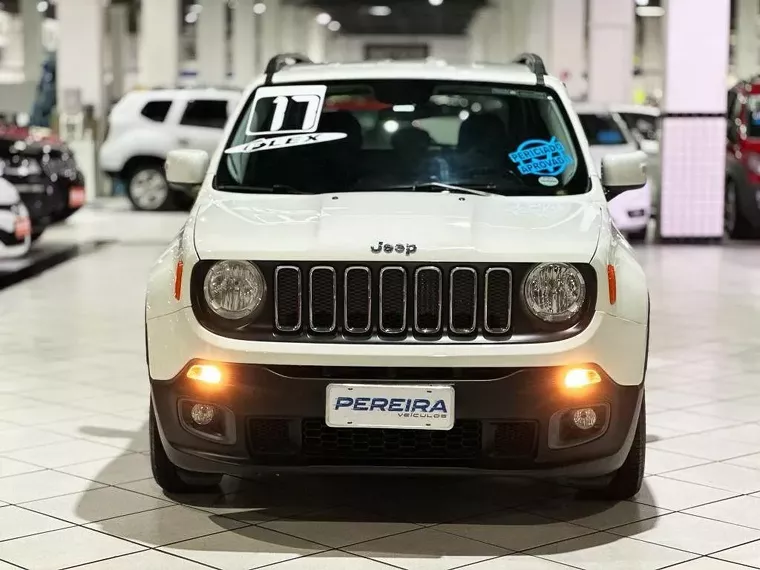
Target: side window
156,110
205,113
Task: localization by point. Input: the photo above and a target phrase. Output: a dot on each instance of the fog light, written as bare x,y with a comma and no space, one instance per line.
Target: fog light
585,418
581,377
203,414
206,373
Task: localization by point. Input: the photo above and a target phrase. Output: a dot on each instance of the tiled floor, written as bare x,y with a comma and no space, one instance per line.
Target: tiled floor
76,489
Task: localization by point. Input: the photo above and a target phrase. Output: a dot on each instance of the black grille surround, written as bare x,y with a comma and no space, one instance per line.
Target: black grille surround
421,303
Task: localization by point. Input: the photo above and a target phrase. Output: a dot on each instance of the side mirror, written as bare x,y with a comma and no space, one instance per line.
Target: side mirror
186,169
650,146
623,172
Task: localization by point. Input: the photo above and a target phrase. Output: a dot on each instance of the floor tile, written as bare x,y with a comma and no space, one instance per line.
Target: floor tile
708,563
689,533
26,438
515,530
122,469
42,485
687,422
64,548
676,495
706,446
333,560
66,453
338,528
658,462
165,526
518,561
242,549
10,467
721,476
749,461
598,515
742,510
747,554
16,522
96,505
145,560
427,549
604,551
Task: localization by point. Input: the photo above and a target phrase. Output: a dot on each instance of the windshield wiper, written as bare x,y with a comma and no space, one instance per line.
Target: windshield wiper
443,187
274,189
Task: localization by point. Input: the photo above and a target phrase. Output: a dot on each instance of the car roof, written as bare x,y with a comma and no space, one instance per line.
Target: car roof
425,69
592,109
636,109
183,93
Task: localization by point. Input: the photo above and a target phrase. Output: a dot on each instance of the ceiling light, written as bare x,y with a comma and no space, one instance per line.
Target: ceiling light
196,8
642,2
650,11
259,8
391,126
323,19
191,17
42,6
379,11
334,26
435,2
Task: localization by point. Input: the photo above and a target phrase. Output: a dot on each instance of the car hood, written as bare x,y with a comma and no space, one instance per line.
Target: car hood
443,227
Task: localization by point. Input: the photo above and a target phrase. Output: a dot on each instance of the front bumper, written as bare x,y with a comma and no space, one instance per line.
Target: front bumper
273,419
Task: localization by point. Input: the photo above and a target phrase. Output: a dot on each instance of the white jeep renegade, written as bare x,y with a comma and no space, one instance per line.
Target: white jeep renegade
400,266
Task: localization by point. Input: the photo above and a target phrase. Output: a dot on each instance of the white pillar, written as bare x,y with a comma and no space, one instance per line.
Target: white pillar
243,43
317,41
158,45
80,53
611,50
304,19
747,46
652,52
211,43
538,27
476,36
566,47
118,25
271,34
518,26
693,147
289,26
34,52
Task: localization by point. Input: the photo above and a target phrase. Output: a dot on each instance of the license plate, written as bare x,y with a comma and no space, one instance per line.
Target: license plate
23,228
76,197
390,406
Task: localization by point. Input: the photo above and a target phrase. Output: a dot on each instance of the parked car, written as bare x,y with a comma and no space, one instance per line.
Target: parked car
46,176
742,199
145,125
608,134
15,226
428,303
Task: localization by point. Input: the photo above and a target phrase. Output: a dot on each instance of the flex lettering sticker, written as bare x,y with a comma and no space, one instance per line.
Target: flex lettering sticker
284,98
542,158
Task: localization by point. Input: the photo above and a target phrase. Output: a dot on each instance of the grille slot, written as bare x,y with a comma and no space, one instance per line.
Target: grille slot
322,299
515,439
498,300
357,304
428,292
393,299
287,298
463,300
463,441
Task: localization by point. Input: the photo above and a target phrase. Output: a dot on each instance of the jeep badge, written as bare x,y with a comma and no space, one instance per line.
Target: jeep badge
409,248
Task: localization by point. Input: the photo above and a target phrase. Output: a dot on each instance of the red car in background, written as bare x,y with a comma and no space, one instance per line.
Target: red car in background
742,204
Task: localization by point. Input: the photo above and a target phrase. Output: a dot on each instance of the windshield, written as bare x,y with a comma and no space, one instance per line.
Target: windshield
753,116
602,129
402,135
647,126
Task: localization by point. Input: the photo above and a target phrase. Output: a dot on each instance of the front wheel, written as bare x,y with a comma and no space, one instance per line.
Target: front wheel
734,222
169,477
148,189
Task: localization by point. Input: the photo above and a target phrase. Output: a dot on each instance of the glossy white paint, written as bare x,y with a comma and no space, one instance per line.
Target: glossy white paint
9,197
445,227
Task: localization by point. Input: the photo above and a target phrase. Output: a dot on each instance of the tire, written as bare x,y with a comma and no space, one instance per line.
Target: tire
147,187
637,237
735,223
171,478
626,481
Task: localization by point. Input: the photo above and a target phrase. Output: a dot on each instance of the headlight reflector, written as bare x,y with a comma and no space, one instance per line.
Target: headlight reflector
234,289
554,292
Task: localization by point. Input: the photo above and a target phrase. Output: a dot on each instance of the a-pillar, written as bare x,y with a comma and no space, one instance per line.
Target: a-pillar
211,43
118,34
747,45
271,34
159,43
693,146
34,51
612,35
243,43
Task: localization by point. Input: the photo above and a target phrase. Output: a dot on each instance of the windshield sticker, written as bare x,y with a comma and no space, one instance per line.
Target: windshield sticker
548,181
542,158
277,101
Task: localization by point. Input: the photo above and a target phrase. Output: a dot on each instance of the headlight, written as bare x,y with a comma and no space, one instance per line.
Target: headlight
234,289
554,292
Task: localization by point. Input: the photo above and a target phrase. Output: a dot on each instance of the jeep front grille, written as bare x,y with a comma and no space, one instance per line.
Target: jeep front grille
392,301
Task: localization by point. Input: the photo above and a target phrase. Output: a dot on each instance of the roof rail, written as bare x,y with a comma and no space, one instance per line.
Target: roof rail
534,63
282,60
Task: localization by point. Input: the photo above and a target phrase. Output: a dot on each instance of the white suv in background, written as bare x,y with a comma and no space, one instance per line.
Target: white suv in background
145,125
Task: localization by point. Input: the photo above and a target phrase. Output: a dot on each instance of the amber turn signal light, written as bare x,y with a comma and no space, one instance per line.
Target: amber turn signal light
576,378
205,373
